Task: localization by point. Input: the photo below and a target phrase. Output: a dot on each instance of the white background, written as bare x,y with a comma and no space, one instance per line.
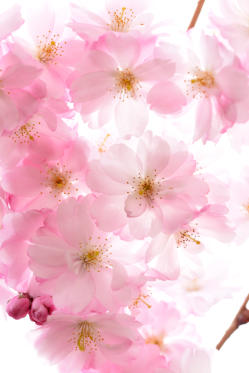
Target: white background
16,350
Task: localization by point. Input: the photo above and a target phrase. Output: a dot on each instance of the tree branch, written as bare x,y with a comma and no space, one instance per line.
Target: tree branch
196,14
242,317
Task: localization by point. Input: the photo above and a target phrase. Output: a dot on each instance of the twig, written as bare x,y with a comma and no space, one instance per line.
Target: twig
242,317
196,14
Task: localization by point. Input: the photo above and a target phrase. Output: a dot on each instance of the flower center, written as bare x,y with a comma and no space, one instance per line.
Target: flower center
126,84
92,256
156,340
201,83
140,299
147,187
87,337
121,19
193,285
59,181
25,134
186,236
49,47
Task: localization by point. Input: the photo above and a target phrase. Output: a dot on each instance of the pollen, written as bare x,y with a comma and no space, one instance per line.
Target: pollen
86,337
121,19
26,133
141,299
94,255
59,181
147,187
193,285
157,340
126,84
49,47
200,83
186,236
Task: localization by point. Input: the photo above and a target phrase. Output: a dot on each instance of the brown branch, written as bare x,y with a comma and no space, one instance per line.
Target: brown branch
242,317
196,14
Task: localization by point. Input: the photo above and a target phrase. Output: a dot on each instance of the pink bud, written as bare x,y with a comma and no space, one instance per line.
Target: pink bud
18,307
41,308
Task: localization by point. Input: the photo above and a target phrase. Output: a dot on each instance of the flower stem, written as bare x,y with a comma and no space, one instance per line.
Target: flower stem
242,317
196,14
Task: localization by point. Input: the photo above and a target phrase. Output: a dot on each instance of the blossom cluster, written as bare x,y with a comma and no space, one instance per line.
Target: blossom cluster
102,240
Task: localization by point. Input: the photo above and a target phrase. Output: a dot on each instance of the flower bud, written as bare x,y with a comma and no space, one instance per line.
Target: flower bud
18,307
41,308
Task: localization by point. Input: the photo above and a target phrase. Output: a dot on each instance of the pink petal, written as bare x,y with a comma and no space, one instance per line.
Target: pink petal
119,276
203,120
8,113
124,48
109,213
234,83
98,181
29,181
131,117
19,76
10,21
74,221
166,98
70,291
91,86
135,206
154,153
156,69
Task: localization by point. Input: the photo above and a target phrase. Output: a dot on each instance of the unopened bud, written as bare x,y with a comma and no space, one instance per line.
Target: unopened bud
18,307
41,308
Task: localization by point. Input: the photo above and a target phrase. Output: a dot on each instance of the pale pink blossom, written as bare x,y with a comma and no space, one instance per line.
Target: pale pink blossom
119,16
77,261
216,82
153,189
117,77
165,251
86,341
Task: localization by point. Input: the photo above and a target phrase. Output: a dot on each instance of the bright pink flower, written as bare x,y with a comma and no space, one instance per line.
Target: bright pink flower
120,17
152,190
120,74
18,307
10,20
40,309
86,341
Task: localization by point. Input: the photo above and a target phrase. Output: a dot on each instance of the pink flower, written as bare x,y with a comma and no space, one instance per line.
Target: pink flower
76,261
215,80
120,17
18,307
118,75
152,190
165,251
86,341
53,170
40,309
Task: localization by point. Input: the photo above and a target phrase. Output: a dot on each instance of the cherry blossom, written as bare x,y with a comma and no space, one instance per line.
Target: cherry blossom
158,192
